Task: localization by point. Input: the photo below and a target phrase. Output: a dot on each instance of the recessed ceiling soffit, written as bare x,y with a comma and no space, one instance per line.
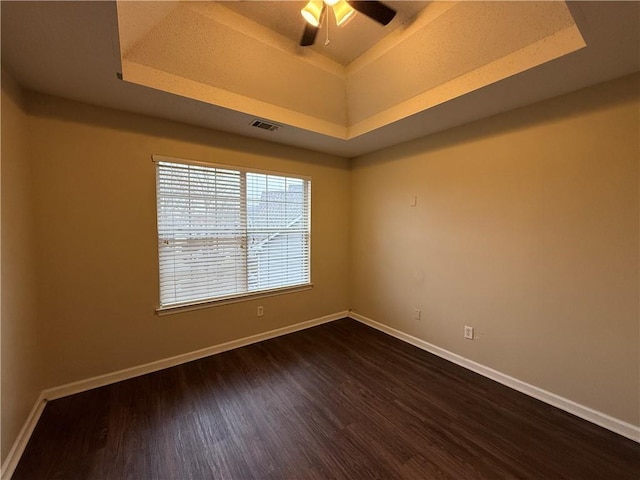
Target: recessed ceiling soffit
434,53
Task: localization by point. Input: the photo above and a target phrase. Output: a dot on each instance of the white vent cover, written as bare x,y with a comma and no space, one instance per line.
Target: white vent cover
265,126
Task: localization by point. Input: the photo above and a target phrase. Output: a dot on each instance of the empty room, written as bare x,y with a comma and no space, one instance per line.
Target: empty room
321,239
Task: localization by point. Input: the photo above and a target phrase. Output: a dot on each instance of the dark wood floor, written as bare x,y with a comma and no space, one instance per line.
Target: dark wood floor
339,401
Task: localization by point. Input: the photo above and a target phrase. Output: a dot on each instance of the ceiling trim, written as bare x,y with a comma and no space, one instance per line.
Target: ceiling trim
168,82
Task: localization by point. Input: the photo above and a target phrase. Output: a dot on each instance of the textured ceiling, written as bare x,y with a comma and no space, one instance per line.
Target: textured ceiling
72,50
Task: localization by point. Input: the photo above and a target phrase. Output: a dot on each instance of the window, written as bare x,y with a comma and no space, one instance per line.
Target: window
225,232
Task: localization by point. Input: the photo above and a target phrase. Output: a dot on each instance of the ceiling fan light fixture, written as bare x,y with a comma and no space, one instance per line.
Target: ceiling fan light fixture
312,12
343,12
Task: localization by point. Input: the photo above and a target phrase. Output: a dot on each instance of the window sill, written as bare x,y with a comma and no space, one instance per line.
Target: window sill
187,307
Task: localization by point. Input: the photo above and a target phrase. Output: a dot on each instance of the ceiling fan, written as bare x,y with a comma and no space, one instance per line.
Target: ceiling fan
343,10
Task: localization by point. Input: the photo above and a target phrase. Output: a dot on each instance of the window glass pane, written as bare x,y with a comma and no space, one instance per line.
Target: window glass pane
278,231
225,232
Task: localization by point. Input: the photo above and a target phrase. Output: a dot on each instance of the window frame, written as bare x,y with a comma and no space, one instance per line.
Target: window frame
241,296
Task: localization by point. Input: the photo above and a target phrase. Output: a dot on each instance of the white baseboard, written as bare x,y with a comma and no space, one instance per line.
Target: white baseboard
615,425
127,373
101,380
11,462
610,423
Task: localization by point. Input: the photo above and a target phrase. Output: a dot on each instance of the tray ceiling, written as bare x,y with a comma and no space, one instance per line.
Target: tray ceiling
244,56
74,49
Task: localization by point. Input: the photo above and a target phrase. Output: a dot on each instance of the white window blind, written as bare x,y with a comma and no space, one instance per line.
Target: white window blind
226,232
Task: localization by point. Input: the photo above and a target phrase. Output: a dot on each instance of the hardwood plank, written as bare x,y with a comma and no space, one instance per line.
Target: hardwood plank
338,401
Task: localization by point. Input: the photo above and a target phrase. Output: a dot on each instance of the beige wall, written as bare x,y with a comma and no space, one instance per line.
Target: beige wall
526,228
20,358
97,250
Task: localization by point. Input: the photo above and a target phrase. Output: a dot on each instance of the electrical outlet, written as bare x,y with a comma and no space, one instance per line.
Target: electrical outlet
468,332
417,314
260,311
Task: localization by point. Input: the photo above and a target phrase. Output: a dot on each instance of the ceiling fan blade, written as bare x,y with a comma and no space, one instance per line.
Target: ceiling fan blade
309,35
310,32
375,10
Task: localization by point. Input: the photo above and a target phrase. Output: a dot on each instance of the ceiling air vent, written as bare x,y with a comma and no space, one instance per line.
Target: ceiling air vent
265,126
